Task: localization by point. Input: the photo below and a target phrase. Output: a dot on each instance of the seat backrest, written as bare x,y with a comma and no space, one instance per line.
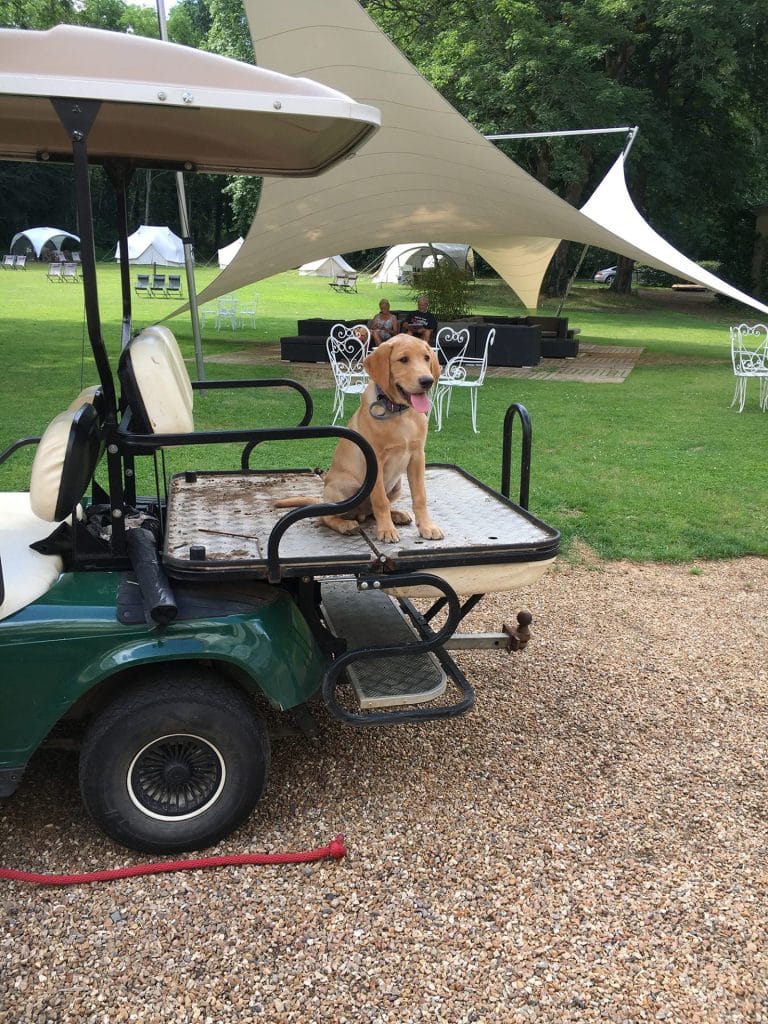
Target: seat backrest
347,348
20,261
70,270
174,282
451,343
749,349
65,461
156,384
491,337
8,261
158,281
54,270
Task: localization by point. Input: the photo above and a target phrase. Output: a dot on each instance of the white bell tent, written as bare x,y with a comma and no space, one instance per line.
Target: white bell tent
150,244
329,266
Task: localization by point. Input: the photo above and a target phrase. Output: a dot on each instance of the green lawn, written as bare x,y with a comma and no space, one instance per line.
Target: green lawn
656,468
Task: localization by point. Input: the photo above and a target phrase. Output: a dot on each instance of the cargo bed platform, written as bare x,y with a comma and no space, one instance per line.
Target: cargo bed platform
219,523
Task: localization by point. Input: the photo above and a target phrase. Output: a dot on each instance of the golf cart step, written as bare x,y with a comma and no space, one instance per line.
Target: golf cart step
371,618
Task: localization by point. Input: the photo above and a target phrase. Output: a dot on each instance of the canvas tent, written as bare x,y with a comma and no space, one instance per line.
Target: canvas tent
400,261
228,253
329,266
148,245
457,185
40,240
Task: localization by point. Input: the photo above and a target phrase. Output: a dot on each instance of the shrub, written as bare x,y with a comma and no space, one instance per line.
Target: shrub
446,288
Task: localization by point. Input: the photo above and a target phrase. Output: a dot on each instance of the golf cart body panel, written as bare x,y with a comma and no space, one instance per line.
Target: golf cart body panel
60,648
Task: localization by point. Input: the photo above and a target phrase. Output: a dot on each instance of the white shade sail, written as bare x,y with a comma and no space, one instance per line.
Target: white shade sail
427,173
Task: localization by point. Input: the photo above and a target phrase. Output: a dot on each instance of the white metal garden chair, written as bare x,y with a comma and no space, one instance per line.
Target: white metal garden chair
247,311
749,354
462,371
347,348
226,312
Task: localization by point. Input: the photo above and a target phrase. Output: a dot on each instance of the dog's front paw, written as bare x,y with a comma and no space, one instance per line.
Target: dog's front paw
430,531
387,533
400,517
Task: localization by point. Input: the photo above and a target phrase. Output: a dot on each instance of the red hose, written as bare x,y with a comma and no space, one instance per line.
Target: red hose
335,849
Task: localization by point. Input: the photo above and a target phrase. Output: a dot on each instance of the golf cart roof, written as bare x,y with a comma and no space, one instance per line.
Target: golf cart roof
169,105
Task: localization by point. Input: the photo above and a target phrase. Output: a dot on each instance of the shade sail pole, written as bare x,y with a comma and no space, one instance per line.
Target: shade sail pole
550,135
186,236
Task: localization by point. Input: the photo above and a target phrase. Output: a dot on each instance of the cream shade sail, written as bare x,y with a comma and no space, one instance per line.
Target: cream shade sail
427,173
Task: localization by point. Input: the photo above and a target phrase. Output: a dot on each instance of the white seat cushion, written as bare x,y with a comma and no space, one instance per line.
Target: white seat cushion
162,382
27,574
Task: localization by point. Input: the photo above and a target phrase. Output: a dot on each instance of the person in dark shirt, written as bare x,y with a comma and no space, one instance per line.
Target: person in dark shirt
421,323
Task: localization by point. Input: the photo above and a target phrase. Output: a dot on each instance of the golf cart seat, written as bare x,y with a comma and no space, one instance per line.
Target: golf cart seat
64,463
156,383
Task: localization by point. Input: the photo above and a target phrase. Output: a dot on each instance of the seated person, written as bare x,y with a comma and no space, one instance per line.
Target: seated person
421,323
384,325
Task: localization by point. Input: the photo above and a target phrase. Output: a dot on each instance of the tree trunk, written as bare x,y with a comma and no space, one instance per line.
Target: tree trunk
556,278
622,283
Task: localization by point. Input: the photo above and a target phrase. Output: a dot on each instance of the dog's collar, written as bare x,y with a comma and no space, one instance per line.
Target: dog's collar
384,407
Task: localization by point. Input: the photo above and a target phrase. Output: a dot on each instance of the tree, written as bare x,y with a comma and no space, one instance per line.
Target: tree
693,77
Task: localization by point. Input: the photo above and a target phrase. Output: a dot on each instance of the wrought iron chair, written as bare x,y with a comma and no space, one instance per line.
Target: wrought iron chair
247,310
347,347
749,355
450,343
462,371
226,312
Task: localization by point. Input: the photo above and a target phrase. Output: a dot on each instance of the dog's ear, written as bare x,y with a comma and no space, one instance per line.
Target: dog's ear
434,363
376,365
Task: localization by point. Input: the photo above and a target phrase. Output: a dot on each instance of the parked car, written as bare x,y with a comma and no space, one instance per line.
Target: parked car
605,276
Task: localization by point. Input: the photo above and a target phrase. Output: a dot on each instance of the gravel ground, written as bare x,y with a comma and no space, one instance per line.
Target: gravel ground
588,844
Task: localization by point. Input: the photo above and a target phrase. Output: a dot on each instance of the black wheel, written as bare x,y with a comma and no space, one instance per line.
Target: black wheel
174,763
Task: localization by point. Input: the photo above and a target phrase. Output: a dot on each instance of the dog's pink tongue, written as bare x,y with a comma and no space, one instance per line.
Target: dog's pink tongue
420,403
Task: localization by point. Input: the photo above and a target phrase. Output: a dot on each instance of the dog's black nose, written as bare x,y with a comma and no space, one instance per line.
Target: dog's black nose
426,382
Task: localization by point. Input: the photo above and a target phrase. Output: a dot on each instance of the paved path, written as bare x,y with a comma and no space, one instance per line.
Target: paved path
595,364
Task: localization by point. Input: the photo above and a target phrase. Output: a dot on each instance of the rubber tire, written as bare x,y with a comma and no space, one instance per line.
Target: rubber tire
609,281
196,702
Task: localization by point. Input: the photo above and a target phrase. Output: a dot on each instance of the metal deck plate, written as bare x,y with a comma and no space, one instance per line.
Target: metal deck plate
231,515
368,618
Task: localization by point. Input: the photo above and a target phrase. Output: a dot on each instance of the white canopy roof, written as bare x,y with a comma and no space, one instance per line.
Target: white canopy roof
415,255
427,169
163,104
38,238
328,267
150,244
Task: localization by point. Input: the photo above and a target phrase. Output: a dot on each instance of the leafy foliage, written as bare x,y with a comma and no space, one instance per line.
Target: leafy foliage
447,289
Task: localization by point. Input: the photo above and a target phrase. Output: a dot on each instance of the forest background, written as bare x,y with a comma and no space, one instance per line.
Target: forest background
692,76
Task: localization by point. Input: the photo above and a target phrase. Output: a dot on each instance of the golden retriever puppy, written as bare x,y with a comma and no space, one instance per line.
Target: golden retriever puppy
393,417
